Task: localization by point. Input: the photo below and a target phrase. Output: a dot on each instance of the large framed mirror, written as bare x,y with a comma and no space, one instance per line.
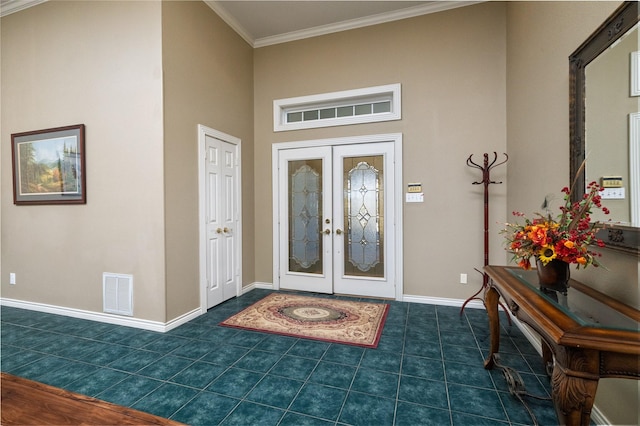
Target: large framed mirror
604,107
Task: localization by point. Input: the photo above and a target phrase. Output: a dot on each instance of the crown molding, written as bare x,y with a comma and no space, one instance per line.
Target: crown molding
351,24
410,12
230,20
12,6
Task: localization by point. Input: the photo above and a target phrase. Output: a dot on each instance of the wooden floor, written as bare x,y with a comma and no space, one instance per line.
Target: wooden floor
25,402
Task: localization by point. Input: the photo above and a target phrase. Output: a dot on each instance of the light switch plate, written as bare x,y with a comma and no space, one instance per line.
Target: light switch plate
415,197
612,194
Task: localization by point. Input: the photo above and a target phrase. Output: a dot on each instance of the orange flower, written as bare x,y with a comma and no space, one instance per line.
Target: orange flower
538,235
569,237
525,264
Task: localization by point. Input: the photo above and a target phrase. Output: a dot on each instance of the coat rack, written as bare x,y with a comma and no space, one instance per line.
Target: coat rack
486,181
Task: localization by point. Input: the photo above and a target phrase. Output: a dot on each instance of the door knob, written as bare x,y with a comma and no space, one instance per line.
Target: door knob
338,231
327,231
219,231
226,230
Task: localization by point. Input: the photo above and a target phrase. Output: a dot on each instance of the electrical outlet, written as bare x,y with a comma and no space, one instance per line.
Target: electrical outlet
463,278
12,278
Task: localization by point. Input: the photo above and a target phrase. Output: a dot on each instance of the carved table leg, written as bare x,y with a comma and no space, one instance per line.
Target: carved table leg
547,358
491,303
574,383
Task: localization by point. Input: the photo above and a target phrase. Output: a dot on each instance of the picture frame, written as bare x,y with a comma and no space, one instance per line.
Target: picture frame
49,166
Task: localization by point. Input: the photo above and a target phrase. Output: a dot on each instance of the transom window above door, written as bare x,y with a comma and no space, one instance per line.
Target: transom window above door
367,105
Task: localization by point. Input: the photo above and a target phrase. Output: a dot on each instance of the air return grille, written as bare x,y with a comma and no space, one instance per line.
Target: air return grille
117,293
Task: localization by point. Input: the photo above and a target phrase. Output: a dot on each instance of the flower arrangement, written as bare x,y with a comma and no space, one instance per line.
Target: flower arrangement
567,238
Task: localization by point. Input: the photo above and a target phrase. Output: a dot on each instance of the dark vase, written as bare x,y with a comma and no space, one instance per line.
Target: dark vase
554,275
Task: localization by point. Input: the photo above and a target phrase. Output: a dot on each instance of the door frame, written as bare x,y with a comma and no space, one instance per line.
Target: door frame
204,131
397,249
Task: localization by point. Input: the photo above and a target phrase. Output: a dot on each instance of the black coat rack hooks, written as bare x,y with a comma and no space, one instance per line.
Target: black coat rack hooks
486,168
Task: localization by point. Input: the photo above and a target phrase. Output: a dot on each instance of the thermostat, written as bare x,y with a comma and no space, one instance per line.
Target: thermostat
611,181
414,187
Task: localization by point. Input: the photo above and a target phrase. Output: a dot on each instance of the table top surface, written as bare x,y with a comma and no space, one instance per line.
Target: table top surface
585,306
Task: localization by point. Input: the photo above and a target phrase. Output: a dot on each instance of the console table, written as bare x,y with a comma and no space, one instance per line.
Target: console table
585,335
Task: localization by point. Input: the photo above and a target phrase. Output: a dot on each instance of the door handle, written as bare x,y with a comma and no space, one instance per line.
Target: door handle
338,231
226,230
327,231
219,231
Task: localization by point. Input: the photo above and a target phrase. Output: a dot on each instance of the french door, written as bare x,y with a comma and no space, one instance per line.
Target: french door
336,219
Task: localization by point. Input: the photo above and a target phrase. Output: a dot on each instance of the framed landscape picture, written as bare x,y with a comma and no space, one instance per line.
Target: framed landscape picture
48,166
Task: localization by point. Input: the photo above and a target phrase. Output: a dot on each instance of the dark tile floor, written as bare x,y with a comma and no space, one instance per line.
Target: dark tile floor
427,369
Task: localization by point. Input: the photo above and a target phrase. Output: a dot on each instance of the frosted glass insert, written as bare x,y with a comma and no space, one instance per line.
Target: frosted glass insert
363,109
381,107
310,115
327,113
305,207
346,111
363,216
293,117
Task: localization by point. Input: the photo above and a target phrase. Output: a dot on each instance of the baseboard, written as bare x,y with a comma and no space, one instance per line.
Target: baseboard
264,286
473,304
102,317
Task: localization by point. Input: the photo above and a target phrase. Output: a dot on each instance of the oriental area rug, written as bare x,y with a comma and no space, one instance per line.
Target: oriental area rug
328,320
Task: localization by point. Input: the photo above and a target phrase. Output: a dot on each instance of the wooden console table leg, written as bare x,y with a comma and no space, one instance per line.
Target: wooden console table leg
573,386
547,358
491,303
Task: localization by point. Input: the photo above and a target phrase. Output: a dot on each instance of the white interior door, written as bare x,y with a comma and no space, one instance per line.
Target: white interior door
220,253
305,226
337,219
364,219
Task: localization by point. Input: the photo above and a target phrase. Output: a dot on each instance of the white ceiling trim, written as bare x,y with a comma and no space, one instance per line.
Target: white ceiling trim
381,18
13,6
231,21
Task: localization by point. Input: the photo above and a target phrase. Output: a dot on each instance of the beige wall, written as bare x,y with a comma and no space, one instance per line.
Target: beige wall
208,79
484,78
452,67
541,36
180,66
97,63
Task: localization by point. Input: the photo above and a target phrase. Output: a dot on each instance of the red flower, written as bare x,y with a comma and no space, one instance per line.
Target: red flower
570,234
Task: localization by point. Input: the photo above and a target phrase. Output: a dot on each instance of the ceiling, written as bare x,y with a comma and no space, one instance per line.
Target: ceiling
262,23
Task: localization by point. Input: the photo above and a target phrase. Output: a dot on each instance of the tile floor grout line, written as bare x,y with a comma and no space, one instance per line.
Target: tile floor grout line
444,369
350,386
79,334
404,334
288,409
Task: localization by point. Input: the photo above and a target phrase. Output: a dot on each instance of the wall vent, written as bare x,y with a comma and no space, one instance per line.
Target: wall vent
117,293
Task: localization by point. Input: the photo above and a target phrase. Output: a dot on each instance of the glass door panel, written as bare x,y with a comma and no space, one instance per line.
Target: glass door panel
305,216
363,209
304,202
364,216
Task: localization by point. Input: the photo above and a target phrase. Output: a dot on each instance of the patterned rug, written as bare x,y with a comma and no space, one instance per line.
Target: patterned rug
329,320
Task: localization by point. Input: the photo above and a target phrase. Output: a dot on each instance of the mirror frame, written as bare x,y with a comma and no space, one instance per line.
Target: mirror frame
623,238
